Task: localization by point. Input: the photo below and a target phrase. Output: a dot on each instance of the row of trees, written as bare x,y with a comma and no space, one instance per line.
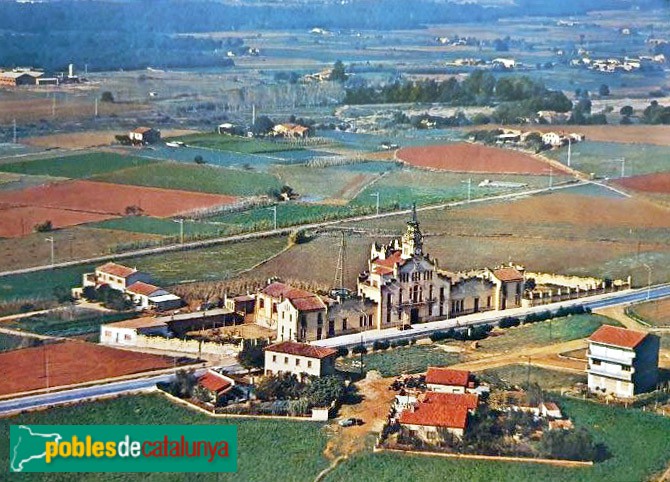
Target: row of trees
316,391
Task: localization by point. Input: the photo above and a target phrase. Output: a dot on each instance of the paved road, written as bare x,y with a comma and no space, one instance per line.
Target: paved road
493,317
274,232
138,385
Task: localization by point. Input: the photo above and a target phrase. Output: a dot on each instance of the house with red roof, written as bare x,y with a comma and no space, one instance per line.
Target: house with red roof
144,135
116,276
215,386
301,359
437,417
622,362
446,380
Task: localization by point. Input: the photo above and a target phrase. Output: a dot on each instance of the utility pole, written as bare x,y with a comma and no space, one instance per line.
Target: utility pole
274,211
528,374
469,183
50,239
569,150
376,194
623,167
339,270
14,125
53,106
181,229
96,107
648,280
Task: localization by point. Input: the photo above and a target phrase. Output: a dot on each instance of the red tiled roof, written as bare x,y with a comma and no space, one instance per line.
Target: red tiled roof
301,349
391,261
214,383
141,288
436,415
447,376
467,400
116,270
382,270
142,130
612,335
508,274
301,299
551,406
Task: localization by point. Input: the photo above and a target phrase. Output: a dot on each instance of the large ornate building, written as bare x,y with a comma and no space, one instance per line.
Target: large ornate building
409,287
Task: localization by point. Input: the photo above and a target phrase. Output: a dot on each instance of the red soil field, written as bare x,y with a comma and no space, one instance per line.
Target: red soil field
71,362
656,183
111,199
17,222
463,157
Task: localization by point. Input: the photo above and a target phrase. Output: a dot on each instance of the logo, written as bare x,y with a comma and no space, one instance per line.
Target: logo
123,448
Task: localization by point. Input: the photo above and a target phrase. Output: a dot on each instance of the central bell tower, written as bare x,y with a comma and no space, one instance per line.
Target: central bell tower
412,240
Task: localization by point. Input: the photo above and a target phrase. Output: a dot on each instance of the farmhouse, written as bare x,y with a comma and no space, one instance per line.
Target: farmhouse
292,131
300,359
18,77
218,386
438,417
445,380
116,276
622,362
145,296
144,135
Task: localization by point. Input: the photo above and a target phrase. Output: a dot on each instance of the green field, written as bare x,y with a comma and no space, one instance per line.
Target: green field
13,342
638,442
545,332
395,361
234,143
602,158
50,324
212,263
545,378
161,226
208,179
406,186
268,449
79,166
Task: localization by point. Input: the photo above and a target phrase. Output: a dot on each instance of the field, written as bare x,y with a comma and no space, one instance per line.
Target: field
204,179
658,135
67,322
111,199
77,166
603,159
13,342
158,226
82,140
653,183
637,441
290,450
519,375
545,332
235,144
463,157
16,222
396,361
656,313
72,243
71,362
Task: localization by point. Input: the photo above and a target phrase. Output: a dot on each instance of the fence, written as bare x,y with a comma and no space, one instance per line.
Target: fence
193,347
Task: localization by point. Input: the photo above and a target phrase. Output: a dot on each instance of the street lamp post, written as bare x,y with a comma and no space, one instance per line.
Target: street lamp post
377,203
274,215
648,280
181,229
50,239
469,183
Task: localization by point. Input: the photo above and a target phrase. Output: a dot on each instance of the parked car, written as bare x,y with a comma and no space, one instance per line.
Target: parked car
350,422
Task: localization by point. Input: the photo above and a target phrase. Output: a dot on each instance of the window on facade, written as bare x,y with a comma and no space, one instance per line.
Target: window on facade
319,331
297,362
274,358
344,323
309,364
488,302
286,360
319,319
361,321
108,333
331,327
625,368
261,303
596,362
126,337
274,307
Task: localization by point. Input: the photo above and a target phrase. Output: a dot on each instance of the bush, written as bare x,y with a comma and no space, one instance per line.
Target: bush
359,349
342,351
107,96
381,345
44,227
509,322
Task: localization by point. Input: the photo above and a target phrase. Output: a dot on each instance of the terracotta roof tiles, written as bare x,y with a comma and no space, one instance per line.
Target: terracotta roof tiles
116,270
301,349
447,376
621,337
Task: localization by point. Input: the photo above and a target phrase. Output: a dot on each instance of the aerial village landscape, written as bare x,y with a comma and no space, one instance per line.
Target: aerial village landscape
383,241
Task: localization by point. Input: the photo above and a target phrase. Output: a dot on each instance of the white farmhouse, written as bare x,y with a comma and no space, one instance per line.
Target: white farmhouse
300,359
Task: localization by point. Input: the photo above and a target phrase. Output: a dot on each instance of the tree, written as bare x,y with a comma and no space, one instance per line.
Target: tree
107,96
604,90
183,384
62,294
283,386
321,392
262,126
570,445
44,227
252,356
626,110
198,159
204,395
134,210
297,236
338,73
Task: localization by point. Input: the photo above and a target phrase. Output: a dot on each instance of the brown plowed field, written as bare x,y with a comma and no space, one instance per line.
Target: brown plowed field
656,183
463,157
17,222
111,199
71,362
